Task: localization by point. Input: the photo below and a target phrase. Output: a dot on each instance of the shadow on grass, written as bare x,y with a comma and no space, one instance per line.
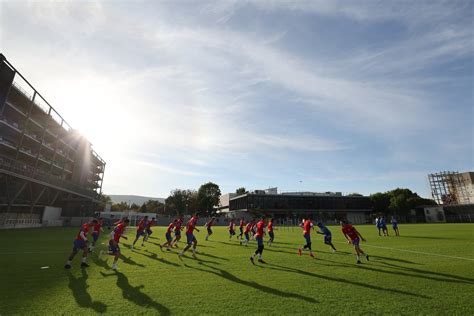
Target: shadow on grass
334,279
154,256
230,277
429,274
394,259
128,260
134,294
79,287
426,237
200,260
211,256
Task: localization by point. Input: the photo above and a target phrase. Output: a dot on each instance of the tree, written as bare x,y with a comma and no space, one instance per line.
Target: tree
240,191
380,202
103,201
181,202
143,208
208,198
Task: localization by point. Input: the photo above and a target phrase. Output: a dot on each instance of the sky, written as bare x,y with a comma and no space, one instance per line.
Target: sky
343,96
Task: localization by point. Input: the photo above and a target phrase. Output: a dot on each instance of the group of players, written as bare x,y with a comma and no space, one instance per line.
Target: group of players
254,229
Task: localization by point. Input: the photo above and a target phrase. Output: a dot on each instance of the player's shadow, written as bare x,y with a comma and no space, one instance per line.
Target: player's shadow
211,256
154,256
200,260
425,237
230,277
429,274
334,279
136,296
128,260
79,287
101,263
394,259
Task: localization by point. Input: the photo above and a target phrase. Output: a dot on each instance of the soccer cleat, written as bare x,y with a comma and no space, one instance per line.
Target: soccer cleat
311,255
261,261
168,249
131,247
367,257
358,262
300,252
251,259
194,256
114,267
84,265
67,266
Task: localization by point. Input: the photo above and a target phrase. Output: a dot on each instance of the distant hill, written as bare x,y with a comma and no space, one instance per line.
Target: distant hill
137,199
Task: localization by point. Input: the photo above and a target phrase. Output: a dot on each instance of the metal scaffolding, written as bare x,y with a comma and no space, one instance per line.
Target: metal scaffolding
448,188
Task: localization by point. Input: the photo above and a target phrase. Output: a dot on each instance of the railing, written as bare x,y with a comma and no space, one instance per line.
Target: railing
20,168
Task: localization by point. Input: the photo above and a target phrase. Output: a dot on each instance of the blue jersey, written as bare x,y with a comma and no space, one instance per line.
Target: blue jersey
325,230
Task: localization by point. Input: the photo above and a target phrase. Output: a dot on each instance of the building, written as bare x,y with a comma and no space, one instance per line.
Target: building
43,161
327,206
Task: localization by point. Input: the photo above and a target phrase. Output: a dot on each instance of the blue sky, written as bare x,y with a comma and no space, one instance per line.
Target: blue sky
350,96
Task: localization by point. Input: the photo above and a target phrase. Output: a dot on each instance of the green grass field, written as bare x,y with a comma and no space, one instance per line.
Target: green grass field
223,281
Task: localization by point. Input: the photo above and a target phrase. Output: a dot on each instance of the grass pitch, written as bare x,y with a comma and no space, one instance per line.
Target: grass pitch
428,270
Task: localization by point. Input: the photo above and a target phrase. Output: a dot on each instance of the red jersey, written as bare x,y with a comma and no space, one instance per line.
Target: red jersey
242,223
170,228
84,230
260,226
141,226
350,231
191,225
210,223
231,226
307,227
118,232
150,223
270,226
248,227
178,224
97,227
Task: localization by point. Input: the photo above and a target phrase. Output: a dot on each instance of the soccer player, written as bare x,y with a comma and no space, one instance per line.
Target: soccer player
383,224
248,227
169,239
395,225
140,230
307,225
241,227
191,239
114,249
270,232
378,224
148,230
96,233
259,238
353,237
327,235
177,231
253,229
209,226
81,243
231,229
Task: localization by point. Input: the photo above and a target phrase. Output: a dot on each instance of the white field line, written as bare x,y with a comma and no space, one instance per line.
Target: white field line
412,251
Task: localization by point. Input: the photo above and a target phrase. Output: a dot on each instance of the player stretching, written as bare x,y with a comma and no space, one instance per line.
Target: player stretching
353,237
191,239
114,249
169,239
395,226
327,235
270,232
259,238
140,230
241,227
307,225
248,227
96,233
177,231
231,229
81,243
209,226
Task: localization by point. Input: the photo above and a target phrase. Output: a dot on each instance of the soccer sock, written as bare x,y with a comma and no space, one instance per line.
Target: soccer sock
68,262
84,259
358,258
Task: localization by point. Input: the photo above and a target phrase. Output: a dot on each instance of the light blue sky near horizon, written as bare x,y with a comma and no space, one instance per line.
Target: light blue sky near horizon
346,96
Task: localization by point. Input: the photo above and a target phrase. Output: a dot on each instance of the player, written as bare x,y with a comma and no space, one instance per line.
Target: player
307,225
96,232
209,226
231,229
169,239
259,238
383,224
395,226
81,243
148,230
253,229
327,235
270,232
378,224
140,230
247,230
191,239
114,249
241,228
177,231
353,237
